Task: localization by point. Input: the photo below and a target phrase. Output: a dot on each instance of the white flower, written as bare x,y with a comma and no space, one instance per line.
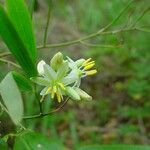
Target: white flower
40,67
63,77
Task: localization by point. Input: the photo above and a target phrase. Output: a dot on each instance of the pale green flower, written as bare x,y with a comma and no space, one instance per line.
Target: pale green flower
82,68
57,83
63,77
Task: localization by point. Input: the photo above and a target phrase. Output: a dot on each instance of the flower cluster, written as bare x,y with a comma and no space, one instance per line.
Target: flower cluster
63,77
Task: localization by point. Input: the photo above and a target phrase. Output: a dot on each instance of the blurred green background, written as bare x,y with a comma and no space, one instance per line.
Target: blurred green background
120,110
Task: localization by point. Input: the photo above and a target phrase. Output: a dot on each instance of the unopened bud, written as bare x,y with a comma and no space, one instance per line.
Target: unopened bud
83,95
72,93
56,61
40,67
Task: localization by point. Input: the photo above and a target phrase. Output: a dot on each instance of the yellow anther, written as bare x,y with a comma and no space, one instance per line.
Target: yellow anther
91,62
54,89
52,94
89,66
48,90
85,62
91,72
62,86
58,97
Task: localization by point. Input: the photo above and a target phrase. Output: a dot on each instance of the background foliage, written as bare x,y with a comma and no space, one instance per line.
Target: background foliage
119,112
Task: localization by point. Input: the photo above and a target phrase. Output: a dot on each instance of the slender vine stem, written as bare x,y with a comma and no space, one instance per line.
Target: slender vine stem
10,62
47,25
39,100
4,54
46,114
93,35
118,16
141,16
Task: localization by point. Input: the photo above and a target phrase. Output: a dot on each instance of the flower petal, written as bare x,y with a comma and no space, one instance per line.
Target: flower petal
72,64
49,72
83,95
40,81
70,78
44,91
80,62
40,67
72,93
62,71
56,61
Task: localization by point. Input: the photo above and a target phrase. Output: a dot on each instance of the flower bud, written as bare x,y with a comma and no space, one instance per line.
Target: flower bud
56,61
83,95
40,67
72,93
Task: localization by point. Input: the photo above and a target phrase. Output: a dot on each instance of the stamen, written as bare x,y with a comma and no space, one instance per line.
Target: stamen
48,90
53,92
62,86
54,89
87,61
58,97
91,72
89,66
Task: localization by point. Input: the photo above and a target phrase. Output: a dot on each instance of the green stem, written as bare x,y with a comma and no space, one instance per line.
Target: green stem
38,99
47,25
118,16
10,62
89,37
141,16
4,54
46,114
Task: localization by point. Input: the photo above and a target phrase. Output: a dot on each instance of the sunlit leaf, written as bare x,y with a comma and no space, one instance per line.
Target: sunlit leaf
12,98
20,17
15,44
23,82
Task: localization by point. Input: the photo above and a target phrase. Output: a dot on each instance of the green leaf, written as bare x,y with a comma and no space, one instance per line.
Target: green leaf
114,147
31,6
21,19
3,145
12,98
34,141
23,83
15,44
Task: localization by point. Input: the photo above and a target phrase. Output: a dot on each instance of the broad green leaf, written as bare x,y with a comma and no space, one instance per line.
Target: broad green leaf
34,141
12,98
115,147
15,44
21,19
23,83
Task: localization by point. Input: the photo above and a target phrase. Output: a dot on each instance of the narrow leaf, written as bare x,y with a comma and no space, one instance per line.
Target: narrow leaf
23,82
15,44
12,98
21,19
31,6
